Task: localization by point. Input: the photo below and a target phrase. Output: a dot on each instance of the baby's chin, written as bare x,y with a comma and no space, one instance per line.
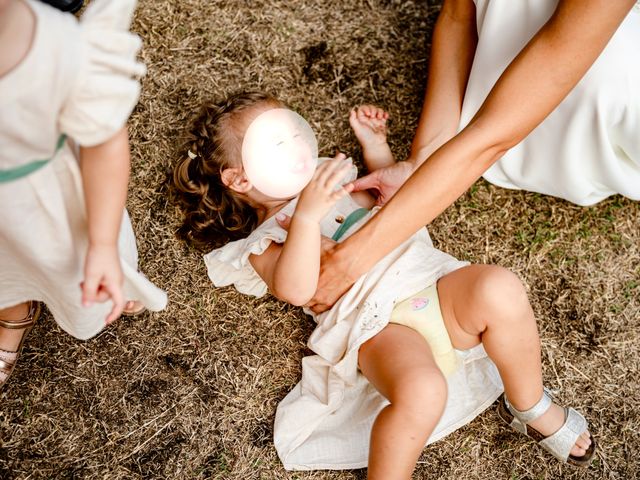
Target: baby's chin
286,199
270,198
282,198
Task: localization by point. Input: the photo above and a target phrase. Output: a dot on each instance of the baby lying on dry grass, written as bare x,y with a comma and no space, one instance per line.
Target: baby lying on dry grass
415,328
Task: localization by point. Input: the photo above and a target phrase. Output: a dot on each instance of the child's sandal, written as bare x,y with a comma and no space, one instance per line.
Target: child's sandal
26,324
134,313
560,443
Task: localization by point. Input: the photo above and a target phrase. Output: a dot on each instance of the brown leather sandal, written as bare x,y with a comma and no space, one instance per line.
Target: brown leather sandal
26,324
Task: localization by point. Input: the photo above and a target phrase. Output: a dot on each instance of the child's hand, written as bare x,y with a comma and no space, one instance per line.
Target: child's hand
320,194
103,279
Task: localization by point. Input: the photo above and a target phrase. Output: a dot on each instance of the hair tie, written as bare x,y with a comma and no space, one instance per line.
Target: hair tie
192,155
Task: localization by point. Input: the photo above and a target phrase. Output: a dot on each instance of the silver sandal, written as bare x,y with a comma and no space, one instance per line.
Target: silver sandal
26,324
560,443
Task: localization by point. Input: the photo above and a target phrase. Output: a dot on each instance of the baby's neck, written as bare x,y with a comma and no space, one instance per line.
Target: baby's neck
17,28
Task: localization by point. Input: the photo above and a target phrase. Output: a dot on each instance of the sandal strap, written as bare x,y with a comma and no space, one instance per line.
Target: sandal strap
26,322
18,324
560,443
534,412
6,366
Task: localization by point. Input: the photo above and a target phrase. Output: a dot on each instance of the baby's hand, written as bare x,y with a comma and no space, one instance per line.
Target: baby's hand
369,123
320,194
103,279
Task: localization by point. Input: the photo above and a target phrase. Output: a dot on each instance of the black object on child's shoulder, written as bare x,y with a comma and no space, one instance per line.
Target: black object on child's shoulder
66,5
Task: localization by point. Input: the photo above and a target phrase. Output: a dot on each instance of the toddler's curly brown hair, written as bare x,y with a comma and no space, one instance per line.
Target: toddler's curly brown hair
213,213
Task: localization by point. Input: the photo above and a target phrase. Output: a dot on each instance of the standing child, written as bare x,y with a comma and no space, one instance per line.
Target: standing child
400,358
66,91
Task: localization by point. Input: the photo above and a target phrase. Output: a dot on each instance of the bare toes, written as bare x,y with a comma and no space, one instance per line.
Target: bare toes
582,445
578,452
363,116
584,440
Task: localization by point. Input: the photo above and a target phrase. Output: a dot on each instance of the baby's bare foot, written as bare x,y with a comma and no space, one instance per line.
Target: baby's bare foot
551,421
369,124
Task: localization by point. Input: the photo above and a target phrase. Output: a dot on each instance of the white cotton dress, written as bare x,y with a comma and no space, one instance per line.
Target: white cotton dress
588,148
78,79
325,421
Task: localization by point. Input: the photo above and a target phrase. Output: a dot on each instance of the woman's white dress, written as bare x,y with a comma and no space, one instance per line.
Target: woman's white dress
78,79
325,421
588,148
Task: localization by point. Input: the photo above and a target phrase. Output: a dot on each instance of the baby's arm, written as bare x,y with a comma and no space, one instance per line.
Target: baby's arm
291,270
105,174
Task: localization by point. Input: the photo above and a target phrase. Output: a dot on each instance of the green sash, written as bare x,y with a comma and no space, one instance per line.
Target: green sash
24,170
353,217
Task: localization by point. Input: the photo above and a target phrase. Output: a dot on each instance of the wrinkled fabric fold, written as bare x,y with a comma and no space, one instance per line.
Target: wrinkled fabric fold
78,80
325,421
588,148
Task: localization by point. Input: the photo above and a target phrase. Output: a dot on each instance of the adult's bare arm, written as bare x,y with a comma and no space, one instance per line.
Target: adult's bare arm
530,88
453,47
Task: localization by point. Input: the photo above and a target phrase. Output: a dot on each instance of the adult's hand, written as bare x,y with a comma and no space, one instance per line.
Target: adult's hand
334,278
385,182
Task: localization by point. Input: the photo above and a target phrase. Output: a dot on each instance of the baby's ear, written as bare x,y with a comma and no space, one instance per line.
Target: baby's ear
236,180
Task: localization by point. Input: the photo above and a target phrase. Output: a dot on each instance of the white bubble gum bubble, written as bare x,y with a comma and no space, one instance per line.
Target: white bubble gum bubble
279,153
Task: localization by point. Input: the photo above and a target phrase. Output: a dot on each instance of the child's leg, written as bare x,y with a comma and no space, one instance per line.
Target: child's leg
489,304
10,338
399,364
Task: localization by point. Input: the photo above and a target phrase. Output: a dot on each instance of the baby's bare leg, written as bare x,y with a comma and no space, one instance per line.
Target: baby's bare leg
399,364
489,304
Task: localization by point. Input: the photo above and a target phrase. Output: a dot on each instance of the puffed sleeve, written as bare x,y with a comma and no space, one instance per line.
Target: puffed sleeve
106,88
229,265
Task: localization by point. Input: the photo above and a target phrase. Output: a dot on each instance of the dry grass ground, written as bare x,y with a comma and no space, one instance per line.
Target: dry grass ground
191,392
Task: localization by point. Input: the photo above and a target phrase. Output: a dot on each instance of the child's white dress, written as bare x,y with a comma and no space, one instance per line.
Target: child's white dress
78,80
589,147
325,421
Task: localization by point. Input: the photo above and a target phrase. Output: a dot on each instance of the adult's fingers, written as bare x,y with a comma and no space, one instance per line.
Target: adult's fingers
319,308
341,192
326,243
382,198
368,182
